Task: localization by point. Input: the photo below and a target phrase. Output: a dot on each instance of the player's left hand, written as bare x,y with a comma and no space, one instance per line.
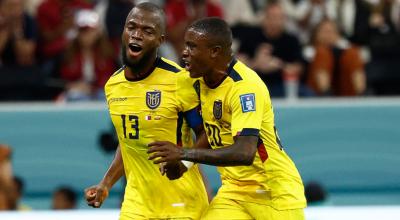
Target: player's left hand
164,151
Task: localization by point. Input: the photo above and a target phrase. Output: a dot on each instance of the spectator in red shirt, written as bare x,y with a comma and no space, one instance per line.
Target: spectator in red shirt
181,13
55,19
56,22
88,62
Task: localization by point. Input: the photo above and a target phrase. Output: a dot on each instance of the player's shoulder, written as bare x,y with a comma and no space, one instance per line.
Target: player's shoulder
246,81
168,65
116,76
243,75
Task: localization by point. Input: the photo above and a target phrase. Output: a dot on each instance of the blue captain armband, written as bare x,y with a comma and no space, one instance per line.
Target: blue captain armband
249,132
193,118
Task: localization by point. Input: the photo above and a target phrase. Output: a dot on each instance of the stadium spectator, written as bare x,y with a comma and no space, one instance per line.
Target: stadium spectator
336,68
16,195
151,91
273,52
238,12
64,198
17,35
309,13
113,16
56,25
32,6
384,42
180,13
351,17
315,193
5,177
88,61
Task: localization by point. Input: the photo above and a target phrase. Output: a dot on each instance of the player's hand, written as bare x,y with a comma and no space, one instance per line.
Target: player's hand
95,195
164,151
163,168
174,170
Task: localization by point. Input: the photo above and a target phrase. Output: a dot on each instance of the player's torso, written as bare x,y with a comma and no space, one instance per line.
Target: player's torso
145,110
272,172
216,110
142,112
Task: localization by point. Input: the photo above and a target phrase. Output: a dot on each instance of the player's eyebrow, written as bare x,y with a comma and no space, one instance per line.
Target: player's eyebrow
141,25
190,43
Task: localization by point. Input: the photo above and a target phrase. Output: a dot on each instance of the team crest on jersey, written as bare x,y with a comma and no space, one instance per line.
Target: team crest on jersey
248,102
153,99
217,109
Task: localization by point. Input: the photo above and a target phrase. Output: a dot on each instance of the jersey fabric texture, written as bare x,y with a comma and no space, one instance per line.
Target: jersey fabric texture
241,105
145,111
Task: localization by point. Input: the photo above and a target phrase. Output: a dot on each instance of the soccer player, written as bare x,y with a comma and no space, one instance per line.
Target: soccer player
259,180
144,99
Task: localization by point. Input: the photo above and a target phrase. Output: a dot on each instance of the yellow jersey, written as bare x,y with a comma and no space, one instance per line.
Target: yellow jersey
144,111
241,105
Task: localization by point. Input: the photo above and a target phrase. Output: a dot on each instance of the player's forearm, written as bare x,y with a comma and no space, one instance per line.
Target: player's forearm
115,171
201,141
227,156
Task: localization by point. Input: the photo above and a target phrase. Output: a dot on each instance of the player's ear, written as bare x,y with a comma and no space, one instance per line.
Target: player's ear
215,51
161,39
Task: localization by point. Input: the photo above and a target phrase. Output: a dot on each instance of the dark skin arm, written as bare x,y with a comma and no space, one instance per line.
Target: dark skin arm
241,153
95,195
174,169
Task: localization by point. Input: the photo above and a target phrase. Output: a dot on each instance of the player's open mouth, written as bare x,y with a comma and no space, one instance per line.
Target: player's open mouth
134,49
187,65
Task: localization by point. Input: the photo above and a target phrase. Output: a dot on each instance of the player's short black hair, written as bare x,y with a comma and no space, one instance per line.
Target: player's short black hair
153,8
217,31
68,192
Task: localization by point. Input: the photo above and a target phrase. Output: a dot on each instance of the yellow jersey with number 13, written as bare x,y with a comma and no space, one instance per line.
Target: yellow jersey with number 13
144,111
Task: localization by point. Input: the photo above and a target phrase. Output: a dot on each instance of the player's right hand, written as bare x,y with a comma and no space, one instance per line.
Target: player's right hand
95,195
175,170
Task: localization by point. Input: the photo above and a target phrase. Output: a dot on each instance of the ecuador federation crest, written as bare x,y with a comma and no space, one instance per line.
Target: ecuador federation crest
153,99
217,109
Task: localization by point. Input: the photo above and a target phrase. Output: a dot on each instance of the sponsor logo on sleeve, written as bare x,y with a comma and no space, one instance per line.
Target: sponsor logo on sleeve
248,102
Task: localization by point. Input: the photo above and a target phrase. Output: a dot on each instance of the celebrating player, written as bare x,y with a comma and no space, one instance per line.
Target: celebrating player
259,180
144,98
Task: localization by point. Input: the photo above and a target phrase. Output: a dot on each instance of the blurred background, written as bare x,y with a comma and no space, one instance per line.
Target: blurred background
332,68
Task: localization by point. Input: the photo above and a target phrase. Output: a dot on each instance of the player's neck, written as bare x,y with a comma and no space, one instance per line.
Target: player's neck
139,72
217,74
215,79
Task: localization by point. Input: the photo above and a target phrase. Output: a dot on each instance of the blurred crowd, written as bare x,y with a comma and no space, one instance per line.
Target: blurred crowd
12,188
65,50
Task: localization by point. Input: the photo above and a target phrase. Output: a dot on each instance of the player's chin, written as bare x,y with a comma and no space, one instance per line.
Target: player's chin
194,74
134,60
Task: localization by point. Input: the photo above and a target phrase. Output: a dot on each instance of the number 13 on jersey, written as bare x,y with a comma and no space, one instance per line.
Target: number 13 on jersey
133,129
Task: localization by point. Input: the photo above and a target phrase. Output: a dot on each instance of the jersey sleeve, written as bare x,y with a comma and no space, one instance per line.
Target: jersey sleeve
188,99
186,93
248,103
